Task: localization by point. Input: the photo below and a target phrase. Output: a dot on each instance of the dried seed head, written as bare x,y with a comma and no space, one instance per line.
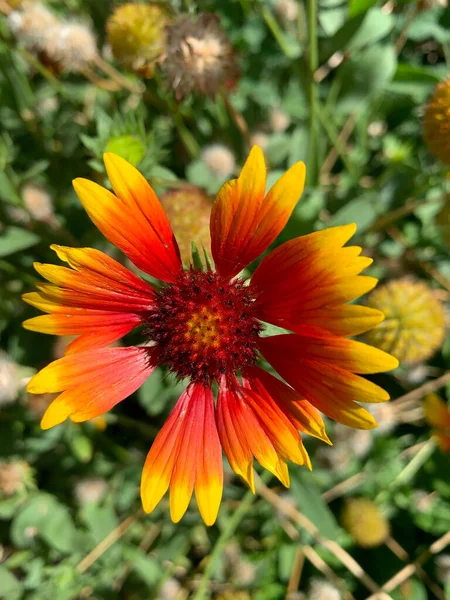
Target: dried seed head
91,489
71,46
442,563
15,477
279,120
136,35
365,523
320,589
414,326
199,57
436,122
188,210
259,138
31,24
219,159
37,202
9,379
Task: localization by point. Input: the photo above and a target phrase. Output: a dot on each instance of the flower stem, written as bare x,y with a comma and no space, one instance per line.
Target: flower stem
313,63
227,532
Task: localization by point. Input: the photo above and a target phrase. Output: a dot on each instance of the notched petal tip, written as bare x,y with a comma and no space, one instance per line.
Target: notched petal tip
55,414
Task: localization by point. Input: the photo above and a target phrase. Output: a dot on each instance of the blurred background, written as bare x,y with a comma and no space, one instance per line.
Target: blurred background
357,89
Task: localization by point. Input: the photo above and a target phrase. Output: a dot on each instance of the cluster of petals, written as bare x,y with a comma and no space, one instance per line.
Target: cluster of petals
304,286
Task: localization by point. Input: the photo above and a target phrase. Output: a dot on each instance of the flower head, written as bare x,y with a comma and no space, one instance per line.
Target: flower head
71,46
206,326
436,122
437,414
414,326
9,379
15,477
219,159
365,523
38,202
136,34
199,57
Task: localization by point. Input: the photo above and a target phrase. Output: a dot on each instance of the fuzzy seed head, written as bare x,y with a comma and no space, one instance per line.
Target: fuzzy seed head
259,138
15,477
31,24
9,379
71,46
204,326
219,159
287,9
365,523
414,326
279,120
199,57
188,210
136,34
436,122
320,589
442,563
37,202
90,490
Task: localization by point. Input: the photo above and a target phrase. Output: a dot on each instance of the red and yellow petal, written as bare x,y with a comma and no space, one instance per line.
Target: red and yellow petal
97,299
302,413
308,280
245,221
134,220
186,456
91,382
250,426
323,378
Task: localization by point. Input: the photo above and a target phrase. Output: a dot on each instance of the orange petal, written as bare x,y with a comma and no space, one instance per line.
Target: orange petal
92,382
302,413
331,389
244,222
134,222
246,435
186,454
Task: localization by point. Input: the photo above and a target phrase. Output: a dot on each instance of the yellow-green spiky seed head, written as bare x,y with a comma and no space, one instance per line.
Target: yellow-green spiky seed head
436,122
414,325
137,33
365,522
188,210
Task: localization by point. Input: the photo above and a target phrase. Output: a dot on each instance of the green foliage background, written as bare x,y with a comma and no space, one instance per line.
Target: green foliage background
56,127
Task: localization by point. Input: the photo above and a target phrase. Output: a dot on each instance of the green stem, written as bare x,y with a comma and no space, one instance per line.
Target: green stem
333,135
277,33
313,63
227,532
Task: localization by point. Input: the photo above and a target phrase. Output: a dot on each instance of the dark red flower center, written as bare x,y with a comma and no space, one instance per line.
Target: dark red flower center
204,326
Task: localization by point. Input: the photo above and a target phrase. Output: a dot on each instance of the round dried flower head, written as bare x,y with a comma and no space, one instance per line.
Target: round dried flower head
170,590
364,522
188,210
442,563
136,34
15,477
219,159
321,589
71,46
259,138
199,57
91,489
279,120
436,122
31,24
287,9
386,417
414,325
9,380
37,202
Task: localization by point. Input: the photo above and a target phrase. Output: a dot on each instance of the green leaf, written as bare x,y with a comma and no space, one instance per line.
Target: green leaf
10,586
14,239
362,211
146,568
366,74
413,589
360,6
312,505
45,517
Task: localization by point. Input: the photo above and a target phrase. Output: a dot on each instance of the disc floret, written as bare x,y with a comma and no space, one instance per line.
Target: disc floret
204,326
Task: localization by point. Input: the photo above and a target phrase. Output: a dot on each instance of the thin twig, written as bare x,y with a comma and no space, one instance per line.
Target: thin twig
342,555
421,391
296,572
107,542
